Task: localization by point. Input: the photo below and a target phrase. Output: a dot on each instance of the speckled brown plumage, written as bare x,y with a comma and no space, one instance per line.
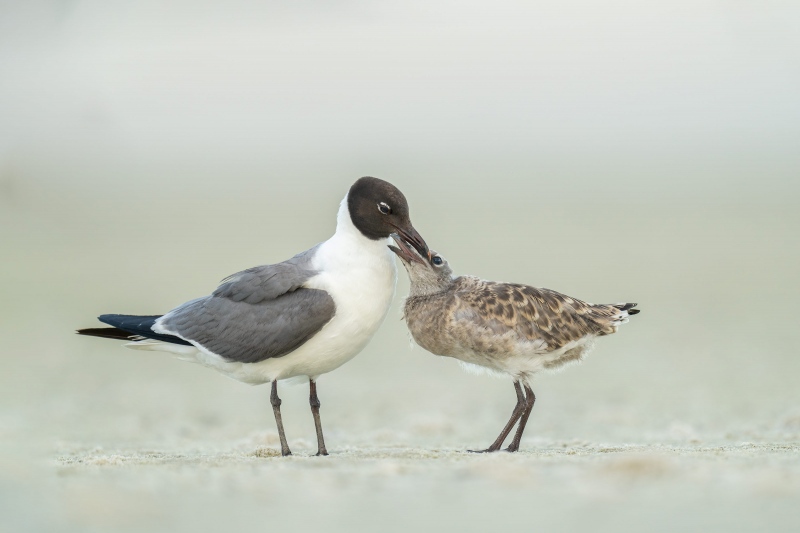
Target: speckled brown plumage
488,323
507,328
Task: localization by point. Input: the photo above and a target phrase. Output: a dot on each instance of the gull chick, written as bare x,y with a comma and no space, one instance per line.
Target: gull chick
510,329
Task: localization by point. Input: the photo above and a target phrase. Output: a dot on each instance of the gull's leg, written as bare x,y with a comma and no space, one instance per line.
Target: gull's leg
518,411
276,409
314,401
530,399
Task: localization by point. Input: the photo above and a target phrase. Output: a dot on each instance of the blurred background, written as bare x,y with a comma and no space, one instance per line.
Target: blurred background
614,151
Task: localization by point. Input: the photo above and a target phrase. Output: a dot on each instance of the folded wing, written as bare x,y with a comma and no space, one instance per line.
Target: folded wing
257,314
542,316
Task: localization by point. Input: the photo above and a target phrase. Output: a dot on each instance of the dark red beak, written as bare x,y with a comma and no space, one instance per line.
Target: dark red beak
404,251
412,237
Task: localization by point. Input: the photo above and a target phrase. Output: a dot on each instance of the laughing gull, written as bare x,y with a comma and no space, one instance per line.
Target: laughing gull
503,328
303,317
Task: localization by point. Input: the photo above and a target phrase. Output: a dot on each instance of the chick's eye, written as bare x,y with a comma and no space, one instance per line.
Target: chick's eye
384,208
436,260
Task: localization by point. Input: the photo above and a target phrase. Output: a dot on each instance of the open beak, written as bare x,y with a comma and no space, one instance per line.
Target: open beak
404,251
414,239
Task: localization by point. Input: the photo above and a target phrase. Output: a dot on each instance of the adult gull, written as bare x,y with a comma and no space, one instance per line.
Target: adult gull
300,318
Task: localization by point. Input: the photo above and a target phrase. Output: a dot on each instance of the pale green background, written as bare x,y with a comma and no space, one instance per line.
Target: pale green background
615,151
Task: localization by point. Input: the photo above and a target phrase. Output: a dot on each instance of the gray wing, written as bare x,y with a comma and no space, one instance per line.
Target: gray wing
259,313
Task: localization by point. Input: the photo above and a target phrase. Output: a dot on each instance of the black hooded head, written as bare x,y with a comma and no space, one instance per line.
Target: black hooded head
378,209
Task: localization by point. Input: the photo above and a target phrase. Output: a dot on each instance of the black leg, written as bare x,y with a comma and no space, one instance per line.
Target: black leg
518,411
314,401
529,401
276,409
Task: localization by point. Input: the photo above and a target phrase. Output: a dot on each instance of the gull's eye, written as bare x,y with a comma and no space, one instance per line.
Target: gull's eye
436,260
384,208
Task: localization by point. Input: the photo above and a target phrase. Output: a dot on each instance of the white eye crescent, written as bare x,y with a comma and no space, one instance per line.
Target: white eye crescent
384,208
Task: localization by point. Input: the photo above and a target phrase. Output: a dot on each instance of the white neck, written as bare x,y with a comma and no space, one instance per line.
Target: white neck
348,248
353,258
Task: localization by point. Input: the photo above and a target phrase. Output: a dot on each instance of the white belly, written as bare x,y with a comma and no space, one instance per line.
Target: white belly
527,360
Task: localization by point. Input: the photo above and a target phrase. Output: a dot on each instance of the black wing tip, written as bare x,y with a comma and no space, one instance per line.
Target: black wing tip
108,319
112,318
634,311
106,333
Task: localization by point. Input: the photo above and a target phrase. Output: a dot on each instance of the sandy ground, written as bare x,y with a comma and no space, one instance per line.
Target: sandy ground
735,487
687,420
